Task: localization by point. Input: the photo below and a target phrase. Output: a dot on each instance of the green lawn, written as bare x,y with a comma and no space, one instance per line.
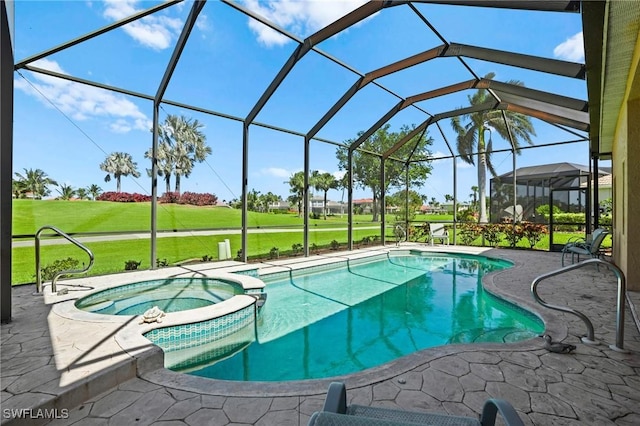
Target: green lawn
94,216
102,216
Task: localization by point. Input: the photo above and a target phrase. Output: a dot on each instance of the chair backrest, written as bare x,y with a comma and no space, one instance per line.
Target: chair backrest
597,238
438,229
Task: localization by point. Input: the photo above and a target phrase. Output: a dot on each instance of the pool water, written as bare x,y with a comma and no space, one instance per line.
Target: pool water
341,321
170,295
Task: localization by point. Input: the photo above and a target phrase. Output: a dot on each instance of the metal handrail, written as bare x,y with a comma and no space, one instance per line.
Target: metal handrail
622,291
59,273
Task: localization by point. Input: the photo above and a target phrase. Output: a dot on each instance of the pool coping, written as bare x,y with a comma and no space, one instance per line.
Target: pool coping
149,359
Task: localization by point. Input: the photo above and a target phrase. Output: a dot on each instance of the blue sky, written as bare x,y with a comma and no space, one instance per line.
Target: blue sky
67,129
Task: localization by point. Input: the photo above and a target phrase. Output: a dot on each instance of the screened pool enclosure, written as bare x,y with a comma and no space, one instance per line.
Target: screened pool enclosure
442,87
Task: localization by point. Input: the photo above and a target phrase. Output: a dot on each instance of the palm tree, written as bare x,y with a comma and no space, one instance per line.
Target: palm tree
471,137
119,164
66,191
18,188
82,193
35,181
323,182
296,184
185,145
474,197
165,163
94,190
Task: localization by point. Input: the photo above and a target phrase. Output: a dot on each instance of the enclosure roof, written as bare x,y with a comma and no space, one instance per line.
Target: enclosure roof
551,170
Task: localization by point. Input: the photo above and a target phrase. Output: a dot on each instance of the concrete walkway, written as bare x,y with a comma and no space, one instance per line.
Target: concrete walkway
78,373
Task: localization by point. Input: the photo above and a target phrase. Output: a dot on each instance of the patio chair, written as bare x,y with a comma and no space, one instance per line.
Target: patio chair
336,412
438,231
589,246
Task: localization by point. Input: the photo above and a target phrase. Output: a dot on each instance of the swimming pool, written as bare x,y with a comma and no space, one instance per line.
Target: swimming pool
337,320
170,295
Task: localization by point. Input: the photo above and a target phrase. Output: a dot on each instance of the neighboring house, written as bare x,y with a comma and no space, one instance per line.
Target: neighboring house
365,204
280,205
429,209
605,187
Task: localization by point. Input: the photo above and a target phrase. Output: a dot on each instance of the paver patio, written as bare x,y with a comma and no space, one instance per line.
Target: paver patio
78,368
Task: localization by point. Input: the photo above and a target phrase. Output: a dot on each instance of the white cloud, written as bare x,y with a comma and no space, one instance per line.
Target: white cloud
301,17
277,172
154,31
571,49
82,102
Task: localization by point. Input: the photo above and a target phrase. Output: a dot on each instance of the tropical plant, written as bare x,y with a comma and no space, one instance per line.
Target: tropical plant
533,232
267,200
366,167
49,271
323,182
82,193
471,136
253,200
182,144
274,253
296,187
119,164
474,197
94,190
66,191
165,163
131,265
35,181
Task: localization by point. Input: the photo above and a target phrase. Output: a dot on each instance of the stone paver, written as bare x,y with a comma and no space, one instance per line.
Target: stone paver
595,385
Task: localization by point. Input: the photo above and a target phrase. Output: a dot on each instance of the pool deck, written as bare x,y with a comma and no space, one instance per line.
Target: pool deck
80,371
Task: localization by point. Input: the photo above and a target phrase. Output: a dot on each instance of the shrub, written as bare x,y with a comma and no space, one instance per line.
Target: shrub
492,232
513,233
161,263
195,199
568,218
544,210
334,245
533,232
207,258
297,249
239,255
123,197
468,232
314,248
131,265
274,253
47,272
169,198
191,198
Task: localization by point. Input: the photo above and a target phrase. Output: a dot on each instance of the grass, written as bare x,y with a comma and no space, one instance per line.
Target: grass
102,216
111,256
93,216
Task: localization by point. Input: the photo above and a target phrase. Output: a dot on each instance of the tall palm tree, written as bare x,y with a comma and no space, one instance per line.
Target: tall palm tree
36,181
187,145
296,187
471,137
94,190
323,182
165,163
119,164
